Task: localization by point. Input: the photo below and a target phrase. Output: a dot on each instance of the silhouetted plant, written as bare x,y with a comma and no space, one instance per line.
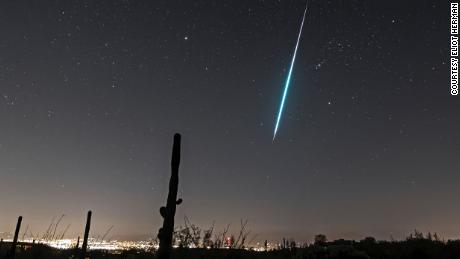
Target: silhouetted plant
320,239
56,227
46,235
182,237
165,234
436,237
85,237
78,242
242,235
416,235
207,237
12,252
219,239
194,233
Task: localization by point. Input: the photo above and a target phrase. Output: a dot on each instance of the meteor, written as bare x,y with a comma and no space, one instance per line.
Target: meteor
288,80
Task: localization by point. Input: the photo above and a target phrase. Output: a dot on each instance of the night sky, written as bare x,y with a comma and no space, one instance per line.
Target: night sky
93,91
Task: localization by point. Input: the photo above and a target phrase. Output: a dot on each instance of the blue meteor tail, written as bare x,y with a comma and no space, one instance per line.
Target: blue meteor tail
288,80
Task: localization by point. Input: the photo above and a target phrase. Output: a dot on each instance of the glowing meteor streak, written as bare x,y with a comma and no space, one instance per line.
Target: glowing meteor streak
288,80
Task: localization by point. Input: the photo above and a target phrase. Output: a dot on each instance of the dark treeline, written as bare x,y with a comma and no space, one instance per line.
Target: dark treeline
416,246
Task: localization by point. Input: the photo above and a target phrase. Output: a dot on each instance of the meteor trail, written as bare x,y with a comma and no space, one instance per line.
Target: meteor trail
288,80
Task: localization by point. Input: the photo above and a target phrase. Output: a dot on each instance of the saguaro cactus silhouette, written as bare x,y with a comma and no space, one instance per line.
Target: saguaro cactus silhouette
165,234
78,243
85,238
15,239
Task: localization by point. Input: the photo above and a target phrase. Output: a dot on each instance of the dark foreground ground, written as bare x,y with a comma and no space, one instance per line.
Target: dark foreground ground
417,249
